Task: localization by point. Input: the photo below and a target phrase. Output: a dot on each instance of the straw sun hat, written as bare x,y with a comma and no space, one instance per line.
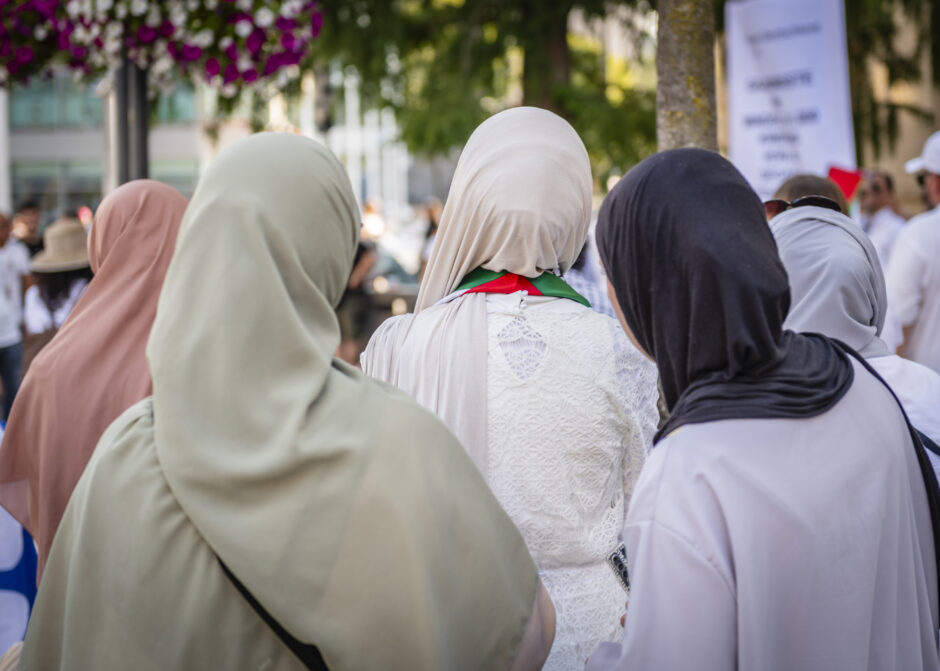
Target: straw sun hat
65,248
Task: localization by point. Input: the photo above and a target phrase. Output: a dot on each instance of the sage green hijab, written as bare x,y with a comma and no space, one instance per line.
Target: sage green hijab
350,513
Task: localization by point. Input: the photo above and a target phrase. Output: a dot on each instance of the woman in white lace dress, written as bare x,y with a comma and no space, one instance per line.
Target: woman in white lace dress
552,402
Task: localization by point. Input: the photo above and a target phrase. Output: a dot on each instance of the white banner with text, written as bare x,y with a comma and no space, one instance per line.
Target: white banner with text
789,109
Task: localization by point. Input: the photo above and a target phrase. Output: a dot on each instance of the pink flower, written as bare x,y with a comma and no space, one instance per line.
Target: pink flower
250,75
288,41
285,24
231,52
167,28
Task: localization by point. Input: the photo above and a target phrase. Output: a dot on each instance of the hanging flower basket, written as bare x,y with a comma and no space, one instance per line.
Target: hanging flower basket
30,39
231,45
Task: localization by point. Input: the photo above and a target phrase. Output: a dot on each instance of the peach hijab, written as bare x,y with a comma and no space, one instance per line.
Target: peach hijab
95,367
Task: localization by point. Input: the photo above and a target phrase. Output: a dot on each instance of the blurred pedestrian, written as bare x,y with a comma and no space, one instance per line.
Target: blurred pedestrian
786,518
837,288
61,273
26,226
355,308
94,368
913,273
879,220
14,269
432,211
554,405
805,190
583,279
269,503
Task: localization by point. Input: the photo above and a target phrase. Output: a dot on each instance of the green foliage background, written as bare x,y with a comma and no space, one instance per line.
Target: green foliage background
445,65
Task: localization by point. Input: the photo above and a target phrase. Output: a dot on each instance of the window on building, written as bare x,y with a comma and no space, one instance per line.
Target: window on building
55,102
59,187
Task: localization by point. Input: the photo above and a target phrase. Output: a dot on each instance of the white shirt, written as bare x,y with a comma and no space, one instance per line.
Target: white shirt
14,263
782,544
918,389
883,228
36,315
913,280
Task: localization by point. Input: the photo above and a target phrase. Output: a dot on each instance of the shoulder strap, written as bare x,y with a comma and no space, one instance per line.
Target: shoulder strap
926,468
306,653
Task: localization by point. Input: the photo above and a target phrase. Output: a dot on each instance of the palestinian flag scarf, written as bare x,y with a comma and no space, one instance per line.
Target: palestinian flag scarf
491,282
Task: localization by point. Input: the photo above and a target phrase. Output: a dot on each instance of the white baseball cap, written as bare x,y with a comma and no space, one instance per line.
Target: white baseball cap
929,159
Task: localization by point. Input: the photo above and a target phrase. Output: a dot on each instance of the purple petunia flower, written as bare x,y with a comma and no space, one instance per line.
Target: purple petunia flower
255,40
146,34
212,67
231,74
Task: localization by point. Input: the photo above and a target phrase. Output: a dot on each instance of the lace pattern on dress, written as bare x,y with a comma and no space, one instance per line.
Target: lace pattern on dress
571,410
522,347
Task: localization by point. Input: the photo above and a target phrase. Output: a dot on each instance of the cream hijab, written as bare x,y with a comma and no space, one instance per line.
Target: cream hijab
520,201
836,284
351,514
94,368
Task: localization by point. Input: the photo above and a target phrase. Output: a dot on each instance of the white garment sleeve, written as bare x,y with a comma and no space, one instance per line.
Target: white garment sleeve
36,317
22,259
906,271
636,377
682,612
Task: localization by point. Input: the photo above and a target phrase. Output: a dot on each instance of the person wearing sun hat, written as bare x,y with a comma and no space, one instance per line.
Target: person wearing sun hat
62,272
913,276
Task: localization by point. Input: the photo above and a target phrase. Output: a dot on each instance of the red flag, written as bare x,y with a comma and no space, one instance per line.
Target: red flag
846,180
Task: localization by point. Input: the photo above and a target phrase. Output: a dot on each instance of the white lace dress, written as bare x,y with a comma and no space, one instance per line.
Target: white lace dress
570,414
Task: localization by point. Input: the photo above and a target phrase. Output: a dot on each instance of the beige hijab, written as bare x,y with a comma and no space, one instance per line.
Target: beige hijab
94,368
520,201
352,515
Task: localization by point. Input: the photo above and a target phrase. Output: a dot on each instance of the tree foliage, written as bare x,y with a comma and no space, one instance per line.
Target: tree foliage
445,65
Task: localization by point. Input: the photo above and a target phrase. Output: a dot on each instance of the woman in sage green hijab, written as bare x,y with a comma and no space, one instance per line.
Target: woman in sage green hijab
349,513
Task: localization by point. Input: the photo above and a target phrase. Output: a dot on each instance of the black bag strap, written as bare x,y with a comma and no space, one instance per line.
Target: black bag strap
306,653
926,468
929,445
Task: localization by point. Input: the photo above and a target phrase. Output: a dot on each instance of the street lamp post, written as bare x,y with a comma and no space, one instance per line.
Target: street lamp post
132,119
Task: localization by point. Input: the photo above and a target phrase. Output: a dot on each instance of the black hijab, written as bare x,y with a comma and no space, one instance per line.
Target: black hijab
687,248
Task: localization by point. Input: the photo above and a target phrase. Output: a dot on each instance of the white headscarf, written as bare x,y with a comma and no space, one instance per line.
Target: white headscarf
520,202
837,287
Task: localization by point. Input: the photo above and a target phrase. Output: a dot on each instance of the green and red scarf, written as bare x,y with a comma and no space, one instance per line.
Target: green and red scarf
484,281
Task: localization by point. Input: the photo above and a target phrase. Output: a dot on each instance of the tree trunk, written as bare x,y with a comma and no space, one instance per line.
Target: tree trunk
547,64
685,70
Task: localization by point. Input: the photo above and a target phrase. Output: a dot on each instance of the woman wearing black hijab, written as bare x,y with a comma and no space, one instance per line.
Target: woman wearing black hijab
782,520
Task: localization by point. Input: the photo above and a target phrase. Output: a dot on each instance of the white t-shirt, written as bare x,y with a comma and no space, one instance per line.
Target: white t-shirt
918,389
781,544
36,315
913,280
883,228
14,263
